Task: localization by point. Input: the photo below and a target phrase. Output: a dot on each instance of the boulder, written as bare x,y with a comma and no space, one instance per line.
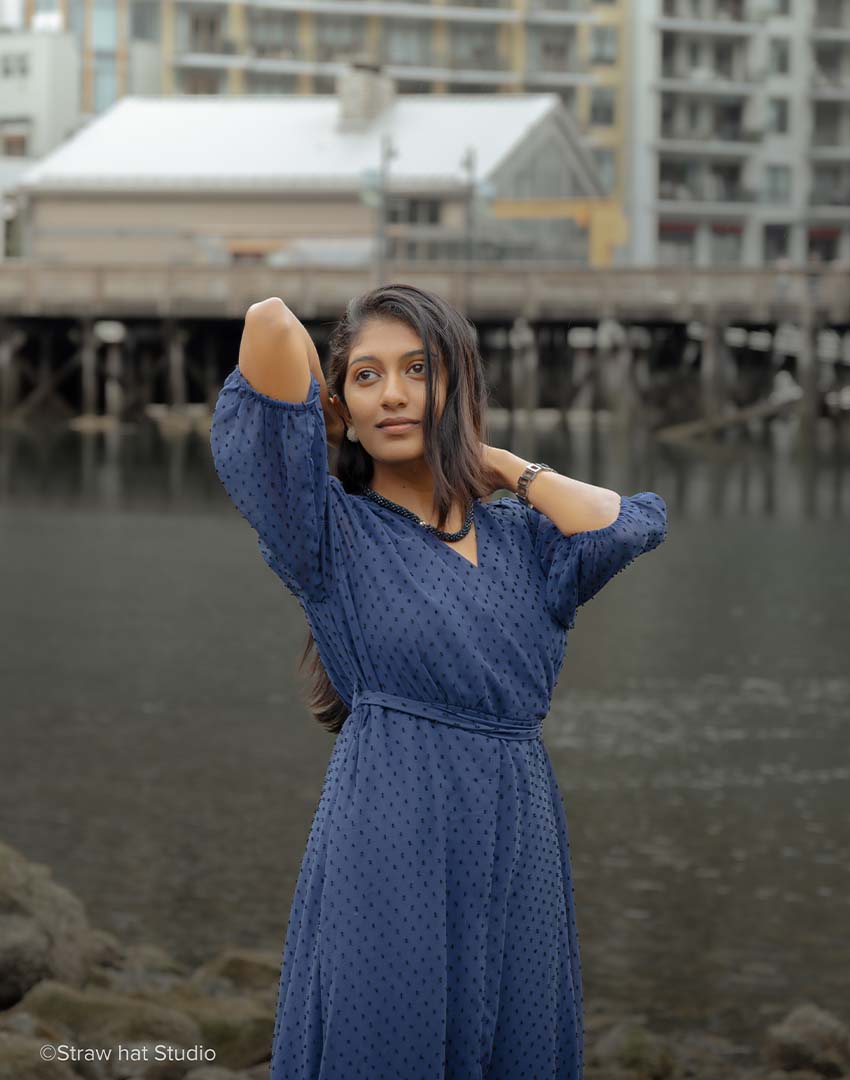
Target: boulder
809,1038
44,932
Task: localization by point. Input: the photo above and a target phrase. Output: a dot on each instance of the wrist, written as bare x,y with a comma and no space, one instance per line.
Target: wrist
510,467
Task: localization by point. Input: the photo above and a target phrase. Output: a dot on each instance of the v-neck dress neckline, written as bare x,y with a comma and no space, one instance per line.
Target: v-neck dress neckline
476,567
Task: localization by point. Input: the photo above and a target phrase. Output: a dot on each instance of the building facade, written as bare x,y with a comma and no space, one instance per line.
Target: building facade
740,132
39,92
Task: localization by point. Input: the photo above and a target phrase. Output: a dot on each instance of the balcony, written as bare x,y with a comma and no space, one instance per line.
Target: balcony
704,191
329,51
706,82
831,196
557,12
269,50
699,11
721,133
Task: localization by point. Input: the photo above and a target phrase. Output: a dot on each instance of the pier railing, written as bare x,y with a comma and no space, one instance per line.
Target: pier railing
32,288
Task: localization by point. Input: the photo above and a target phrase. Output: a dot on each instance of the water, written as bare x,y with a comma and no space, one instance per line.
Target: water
157,759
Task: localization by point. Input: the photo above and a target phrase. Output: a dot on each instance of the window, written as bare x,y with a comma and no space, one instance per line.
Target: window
725,245
603,45
15,146
605,162
780,56
602,104
777,183
405,42
675,244
413,211
144,20
830,185
777,115
724,59
270,82
272,34
200,82
104,26
776,242
823,244
105,81
337,36
475,46
13,64
76,18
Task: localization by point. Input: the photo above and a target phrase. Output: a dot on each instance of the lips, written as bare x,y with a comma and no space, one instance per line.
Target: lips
395,425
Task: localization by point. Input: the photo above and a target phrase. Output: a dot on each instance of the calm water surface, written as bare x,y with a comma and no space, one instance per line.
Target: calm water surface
157,758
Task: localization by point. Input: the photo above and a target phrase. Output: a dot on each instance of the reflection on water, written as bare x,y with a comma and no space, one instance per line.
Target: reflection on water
157,758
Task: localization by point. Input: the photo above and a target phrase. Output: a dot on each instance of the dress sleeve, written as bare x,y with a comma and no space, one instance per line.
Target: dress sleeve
271,457
576,567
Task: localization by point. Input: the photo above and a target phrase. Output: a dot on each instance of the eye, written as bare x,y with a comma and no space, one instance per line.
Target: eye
420,364
362,371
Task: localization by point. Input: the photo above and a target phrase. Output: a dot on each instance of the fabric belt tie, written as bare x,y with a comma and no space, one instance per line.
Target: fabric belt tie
474,720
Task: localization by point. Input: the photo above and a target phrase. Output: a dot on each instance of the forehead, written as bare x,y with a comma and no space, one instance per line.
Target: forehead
386,339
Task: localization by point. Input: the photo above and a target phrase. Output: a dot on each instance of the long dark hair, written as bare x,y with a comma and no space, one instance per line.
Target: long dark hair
451,443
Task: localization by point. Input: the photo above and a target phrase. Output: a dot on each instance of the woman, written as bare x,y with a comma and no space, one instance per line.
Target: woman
432,931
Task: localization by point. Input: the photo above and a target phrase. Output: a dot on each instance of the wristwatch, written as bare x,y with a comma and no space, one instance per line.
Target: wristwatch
527,476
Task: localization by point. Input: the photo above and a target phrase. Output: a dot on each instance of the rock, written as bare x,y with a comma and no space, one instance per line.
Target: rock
629,1049
101,1019
809,1038
239,1029
212,1072
20,1059
106,950
44,932
24,957
17,1022
699,1054
242,969
145,969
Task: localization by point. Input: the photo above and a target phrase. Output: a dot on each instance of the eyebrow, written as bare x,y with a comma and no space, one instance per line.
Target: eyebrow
404,356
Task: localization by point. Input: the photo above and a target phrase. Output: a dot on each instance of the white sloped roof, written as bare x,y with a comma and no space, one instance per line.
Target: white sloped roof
214,142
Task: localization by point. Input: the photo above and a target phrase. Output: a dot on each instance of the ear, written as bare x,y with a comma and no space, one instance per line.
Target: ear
341,410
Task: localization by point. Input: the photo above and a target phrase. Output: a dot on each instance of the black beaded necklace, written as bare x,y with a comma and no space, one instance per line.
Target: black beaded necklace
403,510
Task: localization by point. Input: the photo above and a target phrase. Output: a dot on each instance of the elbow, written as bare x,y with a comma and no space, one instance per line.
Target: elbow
272,309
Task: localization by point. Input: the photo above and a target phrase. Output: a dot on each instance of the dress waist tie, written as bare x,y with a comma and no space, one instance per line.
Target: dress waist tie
474,720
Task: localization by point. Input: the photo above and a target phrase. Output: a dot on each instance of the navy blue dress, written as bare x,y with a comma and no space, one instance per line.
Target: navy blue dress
433,931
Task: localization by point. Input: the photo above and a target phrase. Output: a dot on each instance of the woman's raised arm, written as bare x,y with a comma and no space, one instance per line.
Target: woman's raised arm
277,356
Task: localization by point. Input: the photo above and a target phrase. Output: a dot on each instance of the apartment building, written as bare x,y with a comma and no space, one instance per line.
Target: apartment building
117,42
740,150
39,92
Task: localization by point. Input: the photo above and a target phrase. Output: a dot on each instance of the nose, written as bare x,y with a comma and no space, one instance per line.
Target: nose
394,392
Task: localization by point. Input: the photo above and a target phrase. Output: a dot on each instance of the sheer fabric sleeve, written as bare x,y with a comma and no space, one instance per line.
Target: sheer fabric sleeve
271,457
578,566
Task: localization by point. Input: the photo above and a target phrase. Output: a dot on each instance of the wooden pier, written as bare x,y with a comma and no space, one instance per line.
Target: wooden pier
97,347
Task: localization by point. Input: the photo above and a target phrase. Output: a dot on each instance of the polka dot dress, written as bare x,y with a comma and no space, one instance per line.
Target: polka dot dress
433,930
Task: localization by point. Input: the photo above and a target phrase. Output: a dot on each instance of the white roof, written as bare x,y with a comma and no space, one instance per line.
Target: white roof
215,142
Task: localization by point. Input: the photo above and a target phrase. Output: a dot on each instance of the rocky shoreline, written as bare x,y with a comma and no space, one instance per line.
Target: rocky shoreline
76,1002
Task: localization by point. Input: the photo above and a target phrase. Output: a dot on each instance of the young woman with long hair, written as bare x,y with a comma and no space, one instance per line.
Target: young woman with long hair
432,932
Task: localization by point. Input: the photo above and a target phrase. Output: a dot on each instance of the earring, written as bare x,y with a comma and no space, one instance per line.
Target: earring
352,435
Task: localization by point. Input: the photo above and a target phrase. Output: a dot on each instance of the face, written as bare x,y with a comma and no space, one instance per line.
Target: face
386,380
